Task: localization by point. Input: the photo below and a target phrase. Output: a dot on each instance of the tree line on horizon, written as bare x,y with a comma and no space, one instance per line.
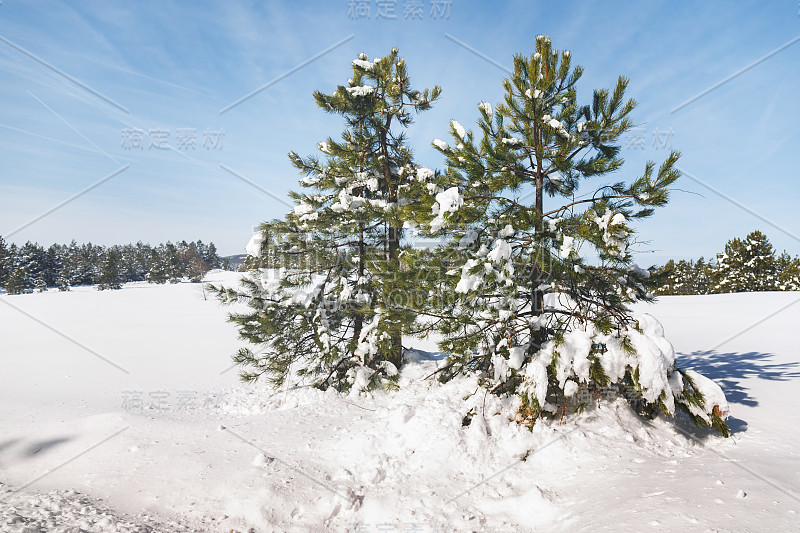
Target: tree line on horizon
31,267
747,265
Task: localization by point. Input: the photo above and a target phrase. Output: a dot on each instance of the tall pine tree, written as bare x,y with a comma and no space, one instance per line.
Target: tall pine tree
535,314
332,316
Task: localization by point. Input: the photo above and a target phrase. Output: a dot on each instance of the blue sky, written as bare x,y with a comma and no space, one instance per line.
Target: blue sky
77,77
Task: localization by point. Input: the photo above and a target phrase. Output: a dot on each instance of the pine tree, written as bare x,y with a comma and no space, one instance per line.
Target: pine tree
533,314
19,281
67,261
157,269
52,265
262,250
32,258
172,263
747,265
87,262
40,285
761,264
684,277
62,282
109,277
70,264
332,315
195,265
663,278
210,255
6,260
702,276
130,267
788,272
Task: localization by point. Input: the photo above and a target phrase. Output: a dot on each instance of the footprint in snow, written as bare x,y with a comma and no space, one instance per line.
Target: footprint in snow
403,413
262,460
373,476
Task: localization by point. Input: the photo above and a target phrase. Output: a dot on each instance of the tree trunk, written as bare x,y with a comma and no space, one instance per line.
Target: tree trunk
358,323
395,353
539,254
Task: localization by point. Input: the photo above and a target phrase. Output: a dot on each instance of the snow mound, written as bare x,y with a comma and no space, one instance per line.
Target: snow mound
399,450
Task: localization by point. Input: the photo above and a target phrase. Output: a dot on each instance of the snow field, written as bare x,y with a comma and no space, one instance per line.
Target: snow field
239,456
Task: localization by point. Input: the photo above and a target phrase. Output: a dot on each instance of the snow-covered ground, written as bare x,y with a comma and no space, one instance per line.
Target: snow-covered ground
117,414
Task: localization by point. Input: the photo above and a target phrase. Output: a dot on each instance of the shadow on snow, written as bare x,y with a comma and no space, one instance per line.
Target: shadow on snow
732,370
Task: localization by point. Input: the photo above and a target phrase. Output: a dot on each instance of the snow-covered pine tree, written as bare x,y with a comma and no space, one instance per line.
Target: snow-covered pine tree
747,265
40,284
701,277
662,278
142,256
66,267
330,315
210,254
109,277
26,263
6,260
62,281
32,257
52,265
788,272
87,264
70,264
262,249
761,264
172,262
19,280
129,266
157,268
194,264
536,315
684,277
